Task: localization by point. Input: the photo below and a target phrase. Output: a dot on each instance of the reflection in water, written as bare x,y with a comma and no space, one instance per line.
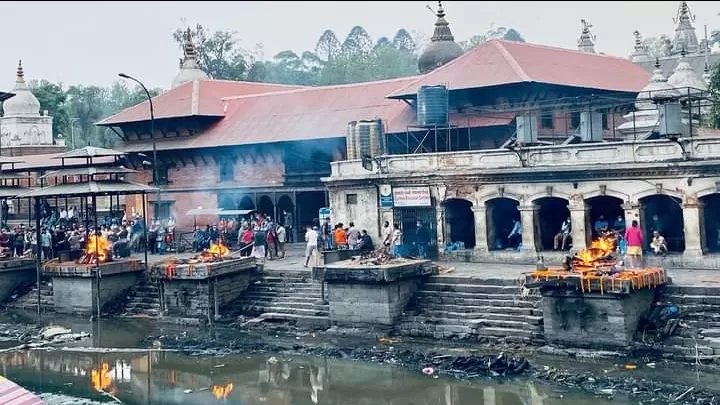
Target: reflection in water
162,378
222,391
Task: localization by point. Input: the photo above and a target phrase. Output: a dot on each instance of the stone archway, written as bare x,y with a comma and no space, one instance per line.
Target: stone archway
549,217
266,207
663,213
246,203
608,209
459,222
711,222
285,204
501,215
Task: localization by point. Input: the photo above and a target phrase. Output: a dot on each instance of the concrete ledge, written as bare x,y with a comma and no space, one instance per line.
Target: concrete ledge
13,273
351,272
202,271
73,269
672,261
339,255
79,294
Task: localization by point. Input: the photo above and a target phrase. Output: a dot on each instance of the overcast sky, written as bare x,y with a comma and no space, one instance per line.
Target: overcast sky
90,42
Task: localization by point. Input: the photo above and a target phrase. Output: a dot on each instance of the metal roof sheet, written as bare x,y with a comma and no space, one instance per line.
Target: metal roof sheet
89,152
499,62
86,171
89,188
11,393
194,98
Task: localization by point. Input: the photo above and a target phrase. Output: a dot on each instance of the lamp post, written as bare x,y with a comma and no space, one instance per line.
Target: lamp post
72,131
152,137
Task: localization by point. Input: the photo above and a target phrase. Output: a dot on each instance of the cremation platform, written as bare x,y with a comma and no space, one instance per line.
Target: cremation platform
14,272
77,287
371,295
595,309
202,288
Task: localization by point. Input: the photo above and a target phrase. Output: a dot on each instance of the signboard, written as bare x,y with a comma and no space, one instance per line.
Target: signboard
411,197
323,213
386,197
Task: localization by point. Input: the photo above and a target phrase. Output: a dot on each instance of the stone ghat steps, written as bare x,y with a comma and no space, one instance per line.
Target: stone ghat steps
143,299
28,301
471,288
477,300
488,309
285,296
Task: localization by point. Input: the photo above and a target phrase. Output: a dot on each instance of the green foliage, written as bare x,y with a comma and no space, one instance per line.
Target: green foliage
658,46
75,110
357,58
508,34
52,98
715,94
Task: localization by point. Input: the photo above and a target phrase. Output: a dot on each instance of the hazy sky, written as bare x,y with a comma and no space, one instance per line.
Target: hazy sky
90,42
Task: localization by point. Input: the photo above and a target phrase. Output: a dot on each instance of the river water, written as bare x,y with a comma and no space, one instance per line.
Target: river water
149,376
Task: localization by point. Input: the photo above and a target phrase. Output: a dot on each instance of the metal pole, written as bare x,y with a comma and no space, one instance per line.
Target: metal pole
144,198
38,252
152,137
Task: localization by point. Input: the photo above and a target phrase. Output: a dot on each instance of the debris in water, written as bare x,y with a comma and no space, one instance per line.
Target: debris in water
428,371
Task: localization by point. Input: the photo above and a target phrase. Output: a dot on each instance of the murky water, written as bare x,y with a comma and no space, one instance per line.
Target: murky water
155,377
170,378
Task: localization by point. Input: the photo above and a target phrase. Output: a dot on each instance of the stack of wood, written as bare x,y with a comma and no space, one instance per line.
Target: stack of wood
88,258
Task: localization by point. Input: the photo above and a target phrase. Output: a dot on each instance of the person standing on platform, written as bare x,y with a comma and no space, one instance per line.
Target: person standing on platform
634,241
311,247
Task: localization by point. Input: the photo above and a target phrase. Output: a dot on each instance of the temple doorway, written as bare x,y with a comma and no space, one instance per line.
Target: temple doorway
549,217
606,212
501,215
662,213
711,222
266,207
460,223
308,206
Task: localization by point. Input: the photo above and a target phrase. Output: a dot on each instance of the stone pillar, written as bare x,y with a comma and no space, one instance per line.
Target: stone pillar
632,213
578,217
481,232
527,219
693,234
440,222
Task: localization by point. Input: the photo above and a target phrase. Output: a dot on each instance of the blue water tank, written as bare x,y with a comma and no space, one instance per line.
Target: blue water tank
432,106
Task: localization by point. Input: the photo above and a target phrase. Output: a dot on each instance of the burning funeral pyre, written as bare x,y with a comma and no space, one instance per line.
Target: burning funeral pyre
377,257
598,268
97,250
217,252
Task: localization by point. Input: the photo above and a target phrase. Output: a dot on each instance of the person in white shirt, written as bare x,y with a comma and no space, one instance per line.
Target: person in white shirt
396,240
311,249
281,239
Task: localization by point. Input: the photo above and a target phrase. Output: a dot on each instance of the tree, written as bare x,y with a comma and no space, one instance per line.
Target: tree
658,47
508,34
219,53
52,98
327,47
714,89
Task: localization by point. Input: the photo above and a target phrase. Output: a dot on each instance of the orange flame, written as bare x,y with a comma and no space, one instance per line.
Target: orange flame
101,379
99,247
218,249
222,391
600,248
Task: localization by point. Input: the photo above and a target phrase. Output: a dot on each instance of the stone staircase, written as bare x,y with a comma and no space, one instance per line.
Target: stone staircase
490,310
283,296
143,299
700,310
28,300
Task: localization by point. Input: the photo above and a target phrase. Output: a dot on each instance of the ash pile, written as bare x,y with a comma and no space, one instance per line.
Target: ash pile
379,257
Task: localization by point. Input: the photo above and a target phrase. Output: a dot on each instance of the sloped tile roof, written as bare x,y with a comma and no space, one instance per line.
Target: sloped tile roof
498,62
195,98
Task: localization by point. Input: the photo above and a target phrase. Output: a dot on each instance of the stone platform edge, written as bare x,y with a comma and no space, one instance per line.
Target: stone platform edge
7,265
70,269
204,271
350,272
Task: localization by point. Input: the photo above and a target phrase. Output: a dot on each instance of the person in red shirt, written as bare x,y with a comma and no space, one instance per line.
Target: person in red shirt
634,240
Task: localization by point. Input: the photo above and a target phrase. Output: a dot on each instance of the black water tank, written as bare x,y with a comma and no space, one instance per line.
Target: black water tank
432,106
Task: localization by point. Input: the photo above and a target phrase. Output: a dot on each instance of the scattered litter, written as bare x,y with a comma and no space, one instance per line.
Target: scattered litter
630,366
219,365
428,371
389,340
445,270
651,365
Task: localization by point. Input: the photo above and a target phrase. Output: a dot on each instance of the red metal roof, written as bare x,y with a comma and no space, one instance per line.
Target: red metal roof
499,62
195,98
311,113
47,161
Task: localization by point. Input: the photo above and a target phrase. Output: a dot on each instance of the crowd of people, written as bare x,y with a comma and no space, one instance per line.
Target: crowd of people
62,232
